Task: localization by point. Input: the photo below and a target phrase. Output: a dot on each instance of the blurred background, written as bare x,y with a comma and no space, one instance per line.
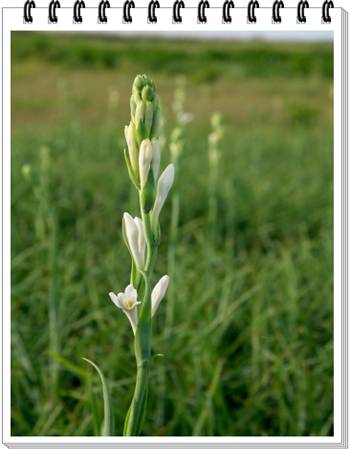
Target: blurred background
246,328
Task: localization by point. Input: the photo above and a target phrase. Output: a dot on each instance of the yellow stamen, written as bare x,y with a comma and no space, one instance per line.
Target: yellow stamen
129,303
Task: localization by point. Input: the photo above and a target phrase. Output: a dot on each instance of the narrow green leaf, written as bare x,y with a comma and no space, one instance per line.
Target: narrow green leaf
107,422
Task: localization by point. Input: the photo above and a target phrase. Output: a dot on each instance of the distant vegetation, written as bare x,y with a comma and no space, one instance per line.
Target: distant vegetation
203,61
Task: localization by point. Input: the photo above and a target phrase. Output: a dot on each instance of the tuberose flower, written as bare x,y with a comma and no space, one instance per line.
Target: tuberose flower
164,184
145,160
159,292
135,235
155,157
129,132
149,157
127,302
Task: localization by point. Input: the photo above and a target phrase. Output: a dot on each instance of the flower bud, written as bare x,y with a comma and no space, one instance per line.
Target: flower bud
133,104
133,231
145,159
139,82
156,121
147,93
155,157
139,113
159,292
163,187
176,144
148,117
130,137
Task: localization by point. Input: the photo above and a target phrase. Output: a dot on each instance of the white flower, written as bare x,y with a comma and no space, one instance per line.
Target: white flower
164,184
127,302
158,293
149,156
135,235
129,132
145,159
155,157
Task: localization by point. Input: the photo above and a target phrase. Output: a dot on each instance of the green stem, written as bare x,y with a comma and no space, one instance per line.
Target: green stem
143,339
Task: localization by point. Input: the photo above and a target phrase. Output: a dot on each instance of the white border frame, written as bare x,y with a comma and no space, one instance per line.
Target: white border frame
12,19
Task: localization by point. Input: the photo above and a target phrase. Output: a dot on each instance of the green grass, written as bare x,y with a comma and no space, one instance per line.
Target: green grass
250,351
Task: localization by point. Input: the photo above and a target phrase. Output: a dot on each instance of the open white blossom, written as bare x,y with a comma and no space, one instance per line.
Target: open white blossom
127,302
135,235
159,292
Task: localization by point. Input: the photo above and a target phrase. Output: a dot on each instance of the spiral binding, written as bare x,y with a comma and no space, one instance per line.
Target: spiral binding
226,8
128,5
253,4
276,16
202,5
78,5
326,18
54,4
177,18
153,5
102,18
301,18
27,11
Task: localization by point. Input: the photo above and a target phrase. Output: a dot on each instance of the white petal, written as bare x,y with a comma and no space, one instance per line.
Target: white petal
132,235
155,157
158,293
141,239
129,133
163,187
145,159
131,292
117,299
132,316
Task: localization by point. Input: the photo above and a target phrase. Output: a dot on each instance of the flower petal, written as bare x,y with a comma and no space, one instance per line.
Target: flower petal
163,187
155,157
117,299
132,234
129,133
158,293
141,239
132,316
131,292
145,159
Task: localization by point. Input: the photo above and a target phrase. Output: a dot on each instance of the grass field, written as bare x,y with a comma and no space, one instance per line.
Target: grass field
246,330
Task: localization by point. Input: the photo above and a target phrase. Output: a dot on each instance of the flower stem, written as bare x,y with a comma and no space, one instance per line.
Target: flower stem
143,339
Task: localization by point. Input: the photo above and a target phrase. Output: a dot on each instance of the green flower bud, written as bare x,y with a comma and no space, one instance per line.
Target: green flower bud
176,144
139,113
217,120
156,122
148,193
148,117
133,103
147,93
139,83
145,119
